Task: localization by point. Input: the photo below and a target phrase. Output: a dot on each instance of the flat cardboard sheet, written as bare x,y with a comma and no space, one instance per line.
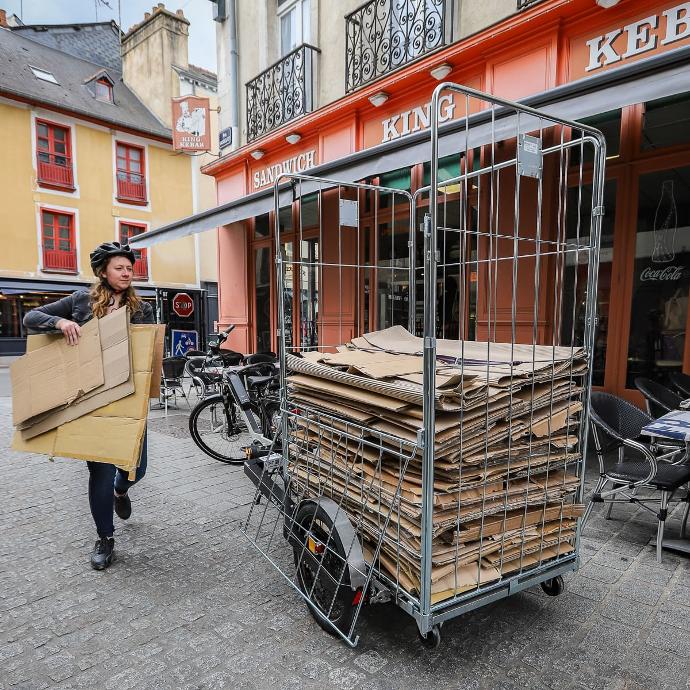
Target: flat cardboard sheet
113,433
56,375
118,379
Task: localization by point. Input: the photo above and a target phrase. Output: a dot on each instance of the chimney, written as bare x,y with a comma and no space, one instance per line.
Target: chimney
3,19
149,51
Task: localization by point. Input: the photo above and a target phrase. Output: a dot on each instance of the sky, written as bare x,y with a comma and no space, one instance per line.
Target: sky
202,30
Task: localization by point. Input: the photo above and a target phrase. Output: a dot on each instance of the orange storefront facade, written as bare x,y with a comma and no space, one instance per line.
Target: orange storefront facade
558,45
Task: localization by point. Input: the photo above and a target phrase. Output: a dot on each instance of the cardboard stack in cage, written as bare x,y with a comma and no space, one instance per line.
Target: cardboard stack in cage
506,456
88,401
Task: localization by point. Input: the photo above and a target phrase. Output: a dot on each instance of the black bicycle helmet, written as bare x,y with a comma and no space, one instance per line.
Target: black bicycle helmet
105,251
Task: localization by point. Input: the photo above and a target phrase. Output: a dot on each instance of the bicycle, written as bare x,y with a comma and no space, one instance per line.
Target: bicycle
231,425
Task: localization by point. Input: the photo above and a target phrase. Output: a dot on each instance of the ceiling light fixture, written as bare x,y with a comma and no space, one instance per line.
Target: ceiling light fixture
607,3
293,138
378,98
258,153
440,72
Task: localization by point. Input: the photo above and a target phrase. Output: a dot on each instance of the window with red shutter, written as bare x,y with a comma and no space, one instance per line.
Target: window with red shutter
141,266
59,247
131,181
54,156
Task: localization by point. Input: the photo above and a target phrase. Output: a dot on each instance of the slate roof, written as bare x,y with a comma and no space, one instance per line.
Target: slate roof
97,42
19,54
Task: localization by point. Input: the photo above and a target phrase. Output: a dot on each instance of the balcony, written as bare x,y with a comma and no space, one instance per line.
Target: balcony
384,35
131,187
281,93
56,260
55,171
524,4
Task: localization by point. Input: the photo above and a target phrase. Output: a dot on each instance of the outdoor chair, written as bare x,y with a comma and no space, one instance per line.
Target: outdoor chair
616,425
171,381
658,398
204,382
681,382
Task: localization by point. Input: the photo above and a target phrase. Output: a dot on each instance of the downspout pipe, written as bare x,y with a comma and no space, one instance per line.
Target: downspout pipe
234,74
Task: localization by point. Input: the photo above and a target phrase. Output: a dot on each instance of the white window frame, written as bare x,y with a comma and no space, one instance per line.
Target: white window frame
302,22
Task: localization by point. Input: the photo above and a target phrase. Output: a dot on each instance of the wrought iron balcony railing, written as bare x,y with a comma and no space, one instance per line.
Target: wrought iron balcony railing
383,35
282,92
524,4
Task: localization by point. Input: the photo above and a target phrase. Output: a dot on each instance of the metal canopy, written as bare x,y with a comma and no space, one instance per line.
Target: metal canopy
658,77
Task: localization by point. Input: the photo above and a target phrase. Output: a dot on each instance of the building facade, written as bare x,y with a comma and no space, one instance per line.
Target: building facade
86,160
347,97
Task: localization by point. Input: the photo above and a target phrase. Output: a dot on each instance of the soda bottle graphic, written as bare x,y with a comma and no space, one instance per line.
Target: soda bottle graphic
665,226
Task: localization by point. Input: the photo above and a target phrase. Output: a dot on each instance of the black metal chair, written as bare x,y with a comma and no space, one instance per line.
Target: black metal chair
203,380
658,398
616,425
171,381
681,382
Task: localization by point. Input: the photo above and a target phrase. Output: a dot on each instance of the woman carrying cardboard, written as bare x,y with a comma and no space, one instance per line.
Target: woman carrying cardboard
113,265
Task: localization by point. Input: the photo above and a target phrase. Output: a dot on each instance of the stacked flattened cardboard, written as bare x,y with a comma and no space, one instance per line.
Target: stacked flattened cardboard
88,401
506,457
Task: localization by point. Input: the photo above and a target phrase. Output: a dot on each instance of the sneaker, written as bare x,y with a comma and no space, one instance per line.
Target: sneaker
123,506
103,553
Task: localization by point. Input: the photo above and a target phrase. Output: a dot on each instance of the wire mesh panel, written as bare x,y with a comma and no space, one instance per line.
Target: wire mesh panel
436,358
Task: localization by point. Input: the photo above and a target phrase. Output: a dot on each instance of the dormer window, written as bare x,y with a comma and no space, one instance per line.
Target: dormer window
104,90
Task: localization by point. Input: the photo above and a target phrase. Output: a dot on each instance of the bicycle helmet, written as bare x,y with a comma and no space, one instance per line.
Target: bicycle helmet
105,251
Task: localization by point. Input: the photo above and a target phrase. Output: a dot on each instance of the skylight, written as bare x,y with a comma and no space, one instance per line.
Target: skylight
42,74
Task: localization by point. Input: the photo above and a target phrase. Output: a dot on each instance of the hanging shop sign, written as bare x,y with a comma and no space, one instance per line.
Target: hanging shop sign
653,31
297,164
191,124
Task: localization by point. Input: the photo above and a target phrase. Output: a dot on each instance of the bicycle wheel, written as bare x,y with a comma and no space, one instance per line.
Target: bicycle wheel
222,434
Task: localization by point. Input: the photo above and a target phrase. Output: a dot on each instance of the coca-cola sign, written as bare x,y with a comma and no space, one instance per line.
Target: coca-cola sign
667,273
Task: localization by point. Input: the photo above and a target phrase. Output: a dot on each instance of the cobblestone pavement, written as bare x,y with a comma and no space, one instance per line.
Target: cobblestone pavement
190,604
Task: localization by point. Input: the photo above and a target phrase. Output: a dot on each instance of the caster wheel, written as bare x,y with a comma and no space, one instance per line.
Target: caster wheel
554,586
432,639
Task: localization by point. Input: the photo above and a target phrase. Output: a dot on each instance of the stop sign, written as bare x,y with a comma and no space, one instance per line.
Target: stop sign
183,305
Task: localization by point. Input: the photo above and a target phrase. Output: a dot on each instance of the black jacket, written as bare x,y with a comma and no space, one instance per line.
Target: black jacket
75,307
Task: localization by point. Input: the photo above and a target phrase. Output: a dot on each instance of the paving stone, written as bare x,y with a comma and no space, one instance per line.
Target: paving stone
190,604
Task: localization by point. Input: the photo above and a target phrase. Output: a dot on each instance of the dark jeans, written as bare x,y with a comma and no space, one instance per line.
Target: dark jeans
103,478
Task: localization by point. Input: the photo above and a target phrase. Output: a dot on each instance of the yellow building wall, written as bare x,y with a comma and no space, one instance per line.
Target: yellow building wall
17,215
170,190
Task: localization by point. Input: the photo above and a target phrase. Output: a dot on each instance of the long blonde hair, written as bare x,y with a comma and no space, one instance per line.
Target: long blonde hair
101,294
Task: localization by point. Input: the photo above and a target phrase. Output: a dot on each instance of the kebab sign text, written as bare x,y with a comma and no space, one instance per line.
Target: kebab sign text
191,124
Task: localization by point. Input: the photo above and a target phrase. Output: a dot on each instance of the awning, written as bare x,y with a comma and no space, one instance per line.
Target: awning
19,287
657,77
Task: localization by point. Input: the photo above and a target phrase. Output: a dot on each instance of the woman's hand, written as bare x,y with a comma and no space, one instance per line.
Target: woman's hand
70,330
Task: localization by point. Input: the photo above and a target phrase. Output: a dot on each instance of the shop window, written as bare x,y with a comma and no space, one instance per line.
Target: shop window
262,226
392,273
309,212
131,181
448,168
574,281
54,156
309,293
666,122
397,179
141,266
59,246
661,279
262,298
609,124
288,292
285,220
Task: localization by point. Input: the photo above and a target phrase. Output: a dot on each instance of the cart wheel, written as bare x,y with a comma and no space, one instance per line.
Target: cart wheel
322,570
432,639
554,586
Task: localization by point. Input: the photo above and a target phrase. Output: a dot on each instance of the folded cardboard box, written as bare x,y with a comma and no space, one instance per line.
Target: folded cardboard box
57,374
113,432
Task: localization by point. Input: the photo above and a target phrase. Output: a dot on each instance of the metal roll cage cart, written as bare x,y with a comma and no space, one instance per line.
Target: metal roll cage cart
479,497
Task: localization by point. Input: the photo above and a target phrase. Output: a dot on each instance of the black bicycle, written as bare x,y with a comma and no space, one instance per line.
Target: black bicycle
245,415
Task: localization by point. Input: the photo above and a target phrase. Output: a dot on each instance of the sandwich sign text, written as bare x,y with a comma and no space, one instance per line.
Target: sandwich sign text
297,164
